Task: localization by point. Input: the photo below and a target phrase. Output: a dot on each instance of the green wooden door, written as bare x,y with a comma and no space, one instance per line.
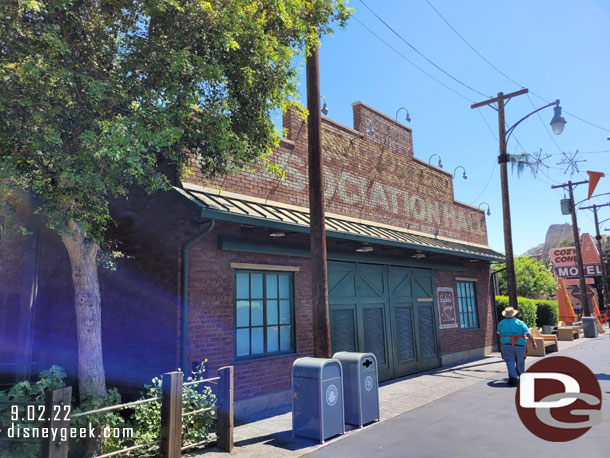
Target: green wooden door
402,313
426,320
385,310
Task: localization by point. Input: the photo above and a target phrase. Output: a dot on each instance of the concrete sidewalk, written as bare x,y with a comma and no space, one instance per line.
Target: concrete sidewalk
480,420
272,437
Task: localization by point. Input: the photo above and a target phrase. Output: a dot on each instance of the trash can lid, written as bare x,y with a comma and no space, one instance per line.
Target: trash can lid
309,367
354,357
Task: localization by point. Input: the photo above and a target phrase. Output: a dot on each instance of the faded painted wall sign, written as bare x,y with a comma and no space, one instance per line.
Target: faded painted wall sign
446,308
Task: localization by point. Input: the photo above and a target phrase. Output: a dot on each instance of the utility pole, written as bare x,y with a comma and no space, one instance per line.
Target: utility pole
598,237
503,161
584,300
317,229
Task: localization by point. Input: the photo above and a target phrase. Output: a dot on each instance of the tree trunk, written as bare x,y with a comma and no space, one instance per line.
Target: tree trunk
83,259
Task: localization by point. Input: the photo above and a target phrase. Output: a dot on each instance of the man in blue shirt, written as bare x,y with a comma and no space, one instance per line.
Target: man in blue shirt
513,333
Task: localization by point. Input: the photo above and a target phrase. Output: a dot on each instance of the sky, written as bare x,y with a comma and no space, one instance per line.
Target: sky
557,49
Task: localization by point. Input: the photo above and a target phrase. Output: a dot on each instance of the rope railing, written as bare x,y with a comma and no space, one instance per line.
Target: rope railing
197,382
193,412
129,449
114,407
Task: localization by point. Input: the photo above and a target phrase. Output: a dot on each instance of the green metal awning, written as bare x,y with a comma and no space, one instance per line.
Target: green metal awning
226,206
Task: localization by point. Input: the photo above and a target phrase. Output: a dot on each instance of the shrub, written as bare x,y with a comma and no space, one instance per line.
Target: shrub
527,309
25,391
547,313
195,428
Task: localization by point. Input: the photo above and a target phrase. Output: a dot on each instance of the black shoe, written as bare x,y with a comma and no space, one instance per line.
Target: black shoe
512,381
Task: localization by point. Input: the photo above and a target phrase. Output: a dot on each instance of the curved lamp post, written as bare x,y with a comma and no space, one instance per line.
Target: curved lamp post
324,109
557,124
464,176
407,118
488,212
440,161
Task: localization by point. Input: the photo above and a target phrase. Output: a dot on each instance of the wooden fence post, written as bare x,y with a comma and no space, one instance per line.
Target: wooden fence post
224,409
57,413
171,415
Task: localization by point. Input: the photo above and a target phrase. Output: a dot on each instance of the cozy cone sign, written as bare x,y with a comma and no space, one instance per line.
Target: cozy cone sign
564,259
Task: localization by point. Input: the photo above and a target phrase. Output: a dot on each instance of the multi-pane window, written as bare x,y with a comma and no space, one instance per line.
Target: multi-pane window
264,315
467,301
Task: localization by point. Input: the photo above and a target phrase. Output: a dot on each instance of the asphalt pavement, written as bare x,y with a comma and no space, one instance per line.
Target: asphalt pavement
480,420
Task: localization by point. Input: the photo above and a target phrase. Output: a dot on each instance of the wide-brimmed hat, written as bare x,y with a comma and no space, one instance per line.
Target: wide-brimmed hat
509,312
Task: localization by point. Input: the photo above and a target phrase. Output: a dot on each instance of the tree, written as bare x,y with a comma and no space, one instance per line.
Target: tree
534,280
95,95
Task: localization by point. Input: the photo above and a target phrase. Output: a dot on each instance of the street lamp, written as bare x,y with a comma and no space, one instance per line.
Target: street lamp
408,118
488,208
440,162
324,109
464,176
557,124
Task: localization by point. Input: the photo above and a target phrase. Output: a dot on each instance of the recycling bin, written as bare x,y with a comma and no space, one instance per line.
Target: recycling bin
360,384
317,398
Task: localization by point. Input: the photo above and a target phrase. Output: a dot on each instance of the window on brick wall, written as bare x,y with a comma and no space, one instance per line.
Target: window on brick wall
264,313
467,302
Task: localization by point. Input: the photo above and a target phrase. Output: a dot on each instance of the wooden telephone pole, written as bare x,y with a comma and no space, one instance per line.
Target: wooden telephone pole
584,300
317,226
503,161
598,237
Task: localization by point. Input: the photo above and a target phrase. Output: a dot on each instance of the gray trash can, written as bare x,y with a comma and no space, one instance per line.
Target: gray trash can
360,384
317,398
589,326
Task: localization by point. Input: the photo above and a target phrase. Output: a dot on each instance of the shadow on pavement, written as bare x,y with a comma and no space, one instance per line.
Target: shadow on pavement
499,384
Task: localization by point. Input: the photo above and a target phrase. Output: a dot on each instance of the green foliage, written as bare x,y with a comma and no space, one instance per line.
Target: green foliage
534,280
25,391
547,313
527,309
95,94
145,419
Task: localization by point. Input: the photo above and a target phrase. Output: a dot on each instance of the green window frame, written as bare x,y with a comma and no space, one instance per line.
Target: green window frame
468,306
264,316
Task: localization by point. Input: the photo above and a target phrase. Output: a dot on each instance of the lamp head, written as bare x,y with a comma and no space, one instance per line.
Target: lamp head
371,130
488,212
558,122
324,109
408,117
440,164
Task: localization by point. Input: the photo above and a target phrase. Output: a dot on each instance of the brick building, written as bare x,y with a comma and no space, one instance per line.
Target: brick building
408,269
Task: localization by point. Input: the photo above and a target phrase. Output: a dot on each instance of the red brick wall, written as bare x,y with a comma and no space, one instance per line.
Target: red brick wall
372,177
211,284
455,339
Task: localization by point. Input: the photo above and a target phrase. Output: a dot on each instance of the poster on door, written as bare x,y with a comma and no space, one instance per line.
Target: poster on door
446,308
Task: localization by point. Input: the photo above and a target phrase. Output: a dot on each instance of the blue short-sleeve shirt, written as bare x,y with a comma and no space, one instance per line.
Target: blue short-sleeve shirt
512,327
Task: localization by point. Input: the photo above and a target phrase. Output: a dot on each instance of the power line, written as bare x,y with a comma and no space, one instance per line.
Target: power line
504,74
420,53
472,47
409,60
